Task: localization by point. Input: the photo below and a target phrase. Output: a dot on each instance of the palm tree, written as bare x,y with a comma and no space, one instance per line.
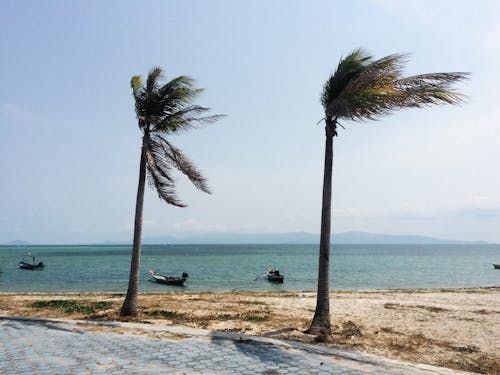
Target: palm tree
365,89
161,110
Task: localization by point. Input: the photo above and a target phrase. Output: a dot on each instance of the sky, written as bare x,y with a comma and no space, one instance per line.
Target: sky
70,145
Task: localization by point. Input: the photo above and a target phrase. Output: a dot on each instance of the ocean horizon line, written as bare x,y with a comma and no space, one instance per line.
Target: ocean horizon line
290,238
123,244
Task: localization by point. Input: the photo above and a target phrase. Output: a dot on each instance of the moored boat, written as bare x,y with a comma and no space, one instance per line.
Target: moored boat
274,276
28,263
169,280
497,266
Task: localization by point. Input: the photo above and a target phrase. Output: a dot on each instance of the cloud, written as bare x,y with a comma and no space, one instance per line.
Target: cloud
17,114
78,230
478,207
403,212
481,213
147,225
127,227
480,198
8,110
150,223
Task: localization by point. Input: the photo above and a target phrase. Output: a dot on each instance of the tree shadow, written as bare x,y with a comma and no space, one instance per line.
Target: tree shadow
22,324
265,353
294,356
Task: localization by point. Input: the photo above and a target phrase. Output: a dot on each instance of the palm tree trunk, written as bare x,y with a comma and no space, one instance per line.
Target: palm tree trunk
321,322
129,307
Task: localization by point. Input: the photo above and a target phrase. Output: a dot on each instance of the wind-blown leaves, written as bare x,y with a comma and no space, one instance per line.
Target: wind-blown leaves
162,110
363,89
161,157
185,165
152,81
185,119
136,84
164,186
433,88
348,69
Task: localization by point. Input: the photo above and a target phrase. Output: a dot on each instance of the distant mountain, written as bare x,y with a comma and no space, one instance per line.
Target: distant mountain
353,237
236,238
356,237
16,243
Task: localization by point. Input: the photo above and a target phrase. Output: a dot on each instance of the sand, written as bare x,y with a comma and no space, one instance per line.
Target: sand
455,328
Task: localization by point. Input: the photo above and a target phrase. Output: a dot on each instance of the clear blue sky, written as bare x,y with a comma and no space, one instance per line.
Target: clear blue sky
69,143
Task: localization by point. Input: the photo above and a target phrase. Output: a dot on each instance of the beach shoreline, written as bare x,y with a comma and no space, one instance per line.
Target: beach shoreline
456,328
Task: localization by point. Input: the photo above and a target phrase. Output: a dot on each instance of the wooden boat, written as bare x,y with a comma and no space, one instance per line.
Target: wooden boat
497,266
28,263
169,280
274,276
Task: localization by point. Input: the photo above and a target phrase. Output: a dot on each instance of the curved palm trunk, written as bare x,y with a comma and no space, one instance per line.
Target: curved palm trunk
129,307
321,322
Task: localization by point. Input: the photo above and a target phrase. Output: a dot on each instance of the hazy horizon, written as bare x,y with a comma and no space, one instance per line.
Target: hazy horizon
230,238
70,146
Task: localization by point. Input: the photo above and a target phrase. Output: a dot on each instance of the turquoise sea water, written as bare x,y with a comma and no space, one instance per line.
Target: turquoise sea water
243,267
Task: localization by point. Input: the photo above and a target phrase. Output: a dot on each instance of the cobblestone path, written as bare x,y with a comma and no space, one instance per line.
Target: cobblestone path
56,347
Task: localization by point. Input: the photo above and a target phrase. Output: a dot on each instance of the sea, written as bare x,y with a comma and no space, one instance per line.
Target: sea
243,267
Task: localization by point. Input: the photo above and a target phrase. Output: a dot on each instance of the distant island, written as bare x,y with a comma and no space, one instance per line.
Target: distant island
16,243
352,237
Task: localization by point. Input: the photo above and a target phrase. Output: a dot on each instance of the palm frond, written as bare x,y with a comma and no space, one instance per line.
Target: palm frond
378,74
348,68
136,84
159,178
378,88
155,157
169,108
161,156
138,92
430,89
181,82
164,109
164,188
184,165
371,93
152,82
185,119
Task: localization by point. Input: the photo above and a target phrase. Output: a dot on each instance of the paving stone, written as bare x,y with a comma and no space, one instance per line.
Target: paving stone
37,347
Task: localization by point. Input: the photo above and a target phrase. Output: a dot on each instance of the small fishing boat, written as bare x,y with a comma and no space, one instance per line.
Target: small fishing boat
28,263
497,266
169,280
274,276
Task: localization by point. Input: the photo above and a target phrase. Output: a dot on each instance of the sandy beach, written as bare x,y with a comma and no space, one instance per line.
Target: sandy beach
455,328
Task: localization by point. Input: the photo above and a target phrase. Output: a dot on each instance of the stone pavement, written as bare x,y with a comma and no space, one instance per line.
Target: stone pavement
50,346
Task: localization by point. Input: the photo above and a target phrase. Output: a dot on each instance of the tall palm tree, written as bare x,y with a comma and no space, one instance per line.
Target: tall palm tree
162,110
365,89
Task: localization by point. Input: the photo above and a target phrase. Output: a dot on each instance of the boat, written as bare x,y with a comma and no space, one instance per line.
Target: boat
497,266
28,263
274,276
169,280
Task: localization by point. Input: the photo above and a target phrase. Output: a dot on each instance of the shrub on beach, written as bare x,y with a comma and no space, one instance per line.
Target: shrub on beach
72,306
